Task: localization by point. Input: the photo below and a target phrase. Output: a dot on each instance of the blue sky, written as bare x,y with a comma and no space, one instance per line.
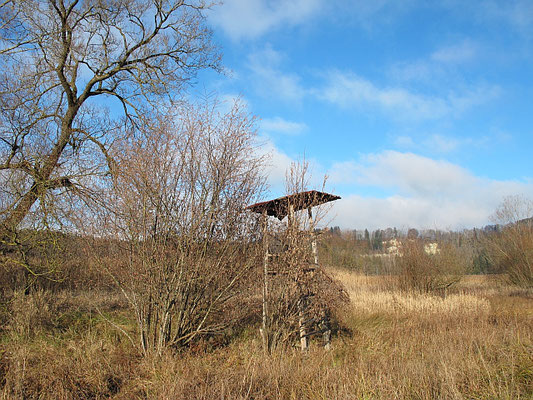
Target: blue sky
420,112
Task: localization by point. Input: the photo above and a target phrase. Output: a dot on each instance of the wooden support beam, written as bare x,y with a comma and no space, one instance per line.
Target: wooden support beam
324,323
304,337
314,247
265,326
326,327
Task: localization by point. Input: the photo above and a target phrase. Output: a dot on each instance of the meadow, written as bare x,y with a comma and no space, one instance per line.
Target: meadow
473,342
139,260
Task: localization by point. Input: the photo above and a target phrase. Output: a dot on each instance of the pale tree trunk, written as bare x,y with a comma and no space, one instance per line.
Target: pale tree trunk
324,323
302,303
265,331
304,340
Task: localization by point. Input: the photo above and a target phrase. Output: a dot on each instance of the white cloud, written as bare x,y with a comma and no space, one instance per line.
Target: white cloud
249,19
439,68
457,53
278,163
516,13
349,90
357,212
442,144
280,125
429,193
407,172
270,80
413,174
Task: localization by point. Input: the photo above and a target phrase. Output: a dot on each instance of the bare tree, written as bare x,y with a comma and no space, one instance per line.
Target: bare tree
177,217
514,209
59,61
511,247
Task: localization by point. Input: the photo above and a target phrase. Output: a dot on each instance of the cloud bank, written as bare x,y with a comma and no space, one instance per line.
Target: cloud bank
428,193
348,90
250,19
283,126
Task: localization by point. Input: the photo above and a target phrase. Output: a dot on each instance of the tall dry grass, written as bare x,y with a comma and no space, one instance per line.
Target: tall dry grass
474,343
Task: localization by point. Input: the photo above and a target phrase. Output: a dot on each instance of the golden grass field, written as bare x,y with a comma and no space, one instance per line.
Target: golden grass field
474,342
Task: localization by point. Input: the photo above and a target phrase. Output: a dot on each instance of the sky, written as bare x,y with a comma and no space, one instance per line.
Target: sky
419,112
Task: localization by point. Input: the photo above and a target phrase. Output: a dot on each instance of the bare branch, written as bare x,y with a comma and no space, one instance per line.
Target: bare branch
59,56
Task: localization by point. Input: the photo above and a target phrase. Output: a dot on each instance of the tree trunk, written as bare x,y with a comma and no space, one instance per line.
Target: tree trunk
17,215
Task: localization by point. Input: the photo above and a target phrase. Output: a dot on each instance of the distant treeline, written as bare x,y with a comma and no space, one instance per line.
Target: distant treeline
349,248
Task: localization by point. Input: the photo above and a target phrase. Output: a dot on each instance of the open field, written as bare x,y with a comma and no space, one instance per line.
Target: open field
166,212
476,342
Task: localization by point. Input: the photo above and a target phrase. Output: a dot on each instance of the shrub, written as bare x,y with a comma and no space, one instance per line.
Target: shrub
511,248
176,212
419,271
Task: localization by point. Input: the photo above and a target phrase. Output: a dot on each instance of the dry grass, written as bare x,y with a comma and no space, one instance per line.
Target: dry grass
370,295
475,343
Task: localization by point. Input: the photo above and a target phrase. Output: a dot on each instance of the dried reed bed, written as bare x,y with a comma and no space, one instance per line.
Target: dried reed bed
370,294
475,343
420,304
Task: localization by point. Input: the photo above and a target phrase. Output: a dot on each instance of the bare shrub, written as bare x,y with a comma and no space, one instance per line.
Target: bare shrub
511,248
419,271
176,218
512,252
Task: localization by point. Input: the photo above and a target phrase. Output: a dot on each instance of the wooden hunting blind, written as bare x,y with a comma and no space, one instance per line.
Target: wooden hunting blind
279,207
286,207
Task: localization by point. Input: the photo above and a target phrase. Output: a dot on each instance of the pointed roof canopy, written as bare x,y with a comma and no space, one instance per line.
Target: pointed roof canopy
279,207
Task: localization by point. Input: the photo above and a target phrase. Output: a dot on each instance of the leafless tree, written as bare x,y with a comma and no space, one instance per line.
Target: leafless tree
176,214
511,247
64,64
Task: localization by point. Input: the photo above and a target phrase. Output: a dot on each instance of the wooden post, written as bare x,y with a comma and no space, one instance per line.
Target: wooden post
304,340
313,237
326,334
265,328
324,324
302,304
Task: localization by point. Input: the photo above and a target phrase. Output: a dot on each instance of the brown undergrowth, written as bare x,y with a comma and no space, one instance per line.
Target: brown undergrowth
476,342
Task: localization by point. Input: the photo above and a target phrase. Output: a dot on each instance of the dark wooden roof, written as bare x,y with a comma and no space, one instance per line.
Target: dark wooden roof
300,201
